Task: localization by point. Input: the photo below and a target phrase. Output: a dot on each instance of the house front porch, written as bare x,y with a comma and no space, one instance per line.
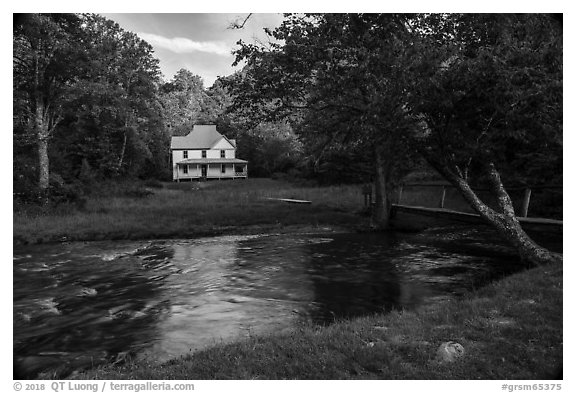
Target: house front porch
210,168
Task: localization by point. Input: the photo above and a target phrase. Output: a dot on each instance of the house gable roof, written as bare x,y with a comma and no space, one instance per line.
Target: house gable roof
201,137
223,143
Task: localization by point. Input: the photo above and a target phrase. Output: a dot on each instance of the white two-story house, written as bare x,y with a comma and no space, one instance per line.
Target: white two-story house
205,154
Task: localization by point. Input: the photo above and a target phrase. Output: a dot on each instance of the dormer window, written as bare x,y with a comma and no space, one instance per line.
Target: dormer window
222,153
203,153
185,154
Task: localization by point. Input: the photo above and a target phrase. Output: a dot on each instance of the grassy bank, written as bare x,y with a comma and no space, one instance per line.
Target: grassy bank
190,209
511,329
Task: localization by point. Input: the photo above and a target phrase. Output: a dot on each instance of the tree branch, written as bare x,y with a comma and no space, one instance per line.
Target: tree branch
237,25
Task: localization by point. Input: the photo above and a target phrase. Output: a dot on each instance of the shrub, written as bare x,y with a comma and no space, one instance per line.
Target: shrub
70,193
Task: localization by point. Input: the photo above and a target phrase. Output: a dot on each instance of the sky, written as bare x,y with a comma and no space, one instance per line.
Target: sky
200,43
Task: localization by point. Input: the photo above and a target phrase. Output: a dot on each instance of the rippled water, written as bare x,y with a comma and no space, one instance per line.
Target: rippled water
79,304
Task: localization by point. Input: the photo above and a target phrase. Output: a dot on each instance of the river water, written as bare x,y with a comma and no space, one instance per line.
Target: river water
83,303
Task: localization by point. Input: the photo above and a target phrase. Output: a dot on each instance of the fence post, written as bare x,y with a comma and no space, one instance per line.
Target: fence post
525,203
443,197
367,192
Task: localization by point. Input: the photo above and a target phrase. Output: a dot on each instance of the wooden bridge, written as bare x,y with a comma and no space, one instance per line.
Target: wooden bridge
423,205
418,217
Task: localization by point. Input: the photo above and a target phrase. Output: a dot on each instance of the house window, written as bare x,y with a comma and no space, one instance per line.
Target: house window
223,168
185,154
185,169
222,153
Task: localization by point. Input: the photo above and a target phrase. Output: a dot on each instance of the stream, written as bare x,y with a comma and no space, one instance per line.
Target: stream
84,303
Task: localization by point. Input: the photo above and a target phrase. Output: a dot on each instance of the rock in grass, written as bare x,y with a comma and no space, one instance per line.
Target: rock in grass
449,352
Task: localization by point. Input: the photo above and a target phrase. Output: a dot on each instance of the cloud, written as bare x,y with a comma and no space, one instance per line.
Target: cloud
186,45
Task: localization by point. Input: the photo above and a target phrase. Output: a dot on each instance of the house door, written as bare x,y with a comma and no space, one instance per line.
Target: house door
204,170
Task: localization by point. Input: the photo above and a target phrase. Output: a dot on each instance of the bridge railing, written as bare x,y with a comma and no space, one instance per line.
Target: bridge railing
545,200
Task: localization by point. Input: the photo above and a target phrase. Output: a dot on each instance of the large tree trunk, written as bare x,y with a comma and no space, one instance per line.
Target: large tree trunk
504,220
381,212
43,164
42,131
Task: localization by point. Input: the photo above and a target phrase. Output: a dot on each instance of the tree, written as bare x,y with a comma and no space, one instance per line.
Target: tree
182,101
271,148
344,73
487,95
215,104
113,115
91,89
44,58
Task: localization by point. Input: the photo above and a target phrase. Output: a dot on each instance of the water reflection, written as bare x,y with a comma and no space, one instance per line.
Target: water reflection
78,304
353,275
228,287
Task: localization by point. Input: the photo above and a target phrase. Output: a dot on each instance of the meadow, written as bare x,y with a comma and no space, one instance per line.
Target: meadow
178,210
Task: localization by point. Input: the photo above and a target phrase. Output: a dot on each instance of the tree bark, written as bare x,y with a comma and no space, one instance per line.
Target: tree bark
504,220
381,213
42,131
43,165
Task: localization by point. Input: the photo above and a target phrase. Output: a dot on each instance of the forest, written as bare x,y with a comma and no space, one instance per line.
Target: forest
334,98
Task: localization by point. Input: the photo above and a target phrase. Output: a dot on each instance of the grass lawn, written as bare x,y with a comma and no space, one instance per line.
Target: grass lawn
511,329
191,209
